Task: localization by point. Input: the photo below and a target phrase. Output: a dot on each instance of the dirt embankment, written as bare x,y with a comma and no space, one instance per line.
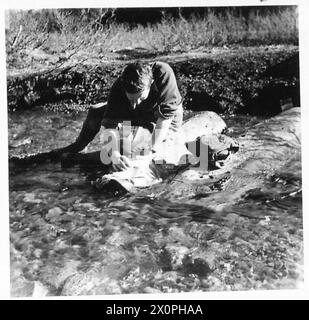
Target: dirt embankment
226,80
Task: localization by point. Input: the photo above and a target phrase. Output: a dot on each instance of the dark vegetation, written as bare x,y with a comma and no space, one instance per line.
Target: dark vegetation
239,60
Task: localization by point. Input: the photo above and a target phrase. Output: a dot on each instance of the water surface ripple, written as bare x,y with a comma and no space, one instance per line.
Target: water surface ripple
69,239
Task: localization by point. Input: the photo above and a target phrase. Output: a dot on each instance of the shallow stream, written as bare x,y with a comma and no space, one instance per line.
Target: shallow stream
69,239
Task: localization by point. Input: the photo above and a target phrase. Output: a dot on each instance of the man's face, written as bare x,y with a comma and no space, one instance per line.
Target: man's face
136,98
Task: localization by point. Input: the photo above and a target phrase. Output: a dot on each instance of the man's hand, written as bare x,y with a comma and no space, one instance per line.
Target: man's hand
120,162
56,154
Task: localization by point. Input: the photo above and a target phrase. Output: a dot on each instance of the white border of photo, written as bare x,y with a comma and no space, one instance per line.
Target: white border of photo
301,293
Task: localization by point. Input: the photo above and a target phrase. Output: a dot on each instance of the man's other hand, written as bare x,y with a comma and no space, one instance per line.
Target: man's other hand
120,162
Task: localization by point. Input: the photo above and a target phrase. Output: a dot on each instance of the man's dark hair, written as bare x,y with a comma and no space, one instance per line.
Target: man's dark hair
136,77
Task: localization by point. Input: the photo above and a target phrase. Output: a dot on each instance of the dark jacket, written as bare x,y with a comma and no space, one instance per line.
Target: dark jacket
164,100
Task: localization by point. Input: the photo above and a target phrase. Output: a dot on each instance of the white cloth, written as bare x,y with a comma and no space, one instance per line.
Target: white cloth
146,168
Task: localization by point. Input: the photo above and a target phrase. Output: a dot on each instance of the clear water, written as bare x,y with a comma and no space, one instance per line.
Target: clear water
70,239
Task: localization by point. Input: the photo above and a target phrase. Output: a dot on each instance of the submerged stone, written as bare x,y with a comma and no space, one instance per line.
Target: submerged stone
53,214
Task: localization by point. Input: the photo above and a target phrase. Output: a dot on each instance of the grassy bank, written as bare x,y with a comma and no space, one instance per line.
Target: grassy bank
65,34
223,62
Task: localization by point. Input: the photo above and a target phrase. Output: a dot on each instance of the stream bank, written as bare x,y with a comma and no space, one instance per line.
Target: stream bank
253,80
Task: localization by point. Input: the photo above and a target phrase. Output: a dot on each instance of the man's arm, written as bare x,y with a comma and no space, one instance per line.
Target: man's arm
91,127
169,101
160,133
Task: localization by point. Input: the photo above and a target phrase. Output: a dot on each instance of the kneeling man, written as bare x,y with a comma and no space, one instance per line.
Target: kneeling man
143,115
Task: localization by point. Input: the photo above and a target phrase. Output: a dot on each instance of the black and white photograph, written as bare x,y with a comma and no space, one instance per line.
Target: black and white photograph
154,150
